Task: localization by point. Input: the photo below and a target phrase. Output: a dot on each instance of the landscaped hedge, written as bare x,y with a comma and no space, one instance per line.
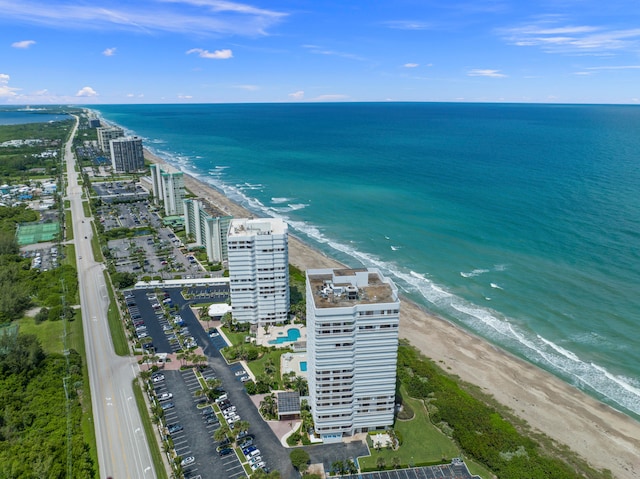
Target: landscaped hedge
482,433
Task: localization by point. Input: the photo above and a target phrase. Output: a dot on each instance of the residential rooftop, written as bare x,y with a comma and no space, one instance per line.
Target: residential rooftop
340,288
259,226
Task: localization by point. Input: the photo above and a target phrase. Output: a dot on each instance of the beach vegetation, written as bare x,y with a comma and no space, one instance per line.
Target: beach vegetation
493,438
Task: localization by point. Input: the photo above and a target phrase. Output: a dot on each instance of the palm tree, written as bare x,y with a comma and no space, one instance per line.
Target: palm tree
300,385
241,426
381,463
269,406
222,433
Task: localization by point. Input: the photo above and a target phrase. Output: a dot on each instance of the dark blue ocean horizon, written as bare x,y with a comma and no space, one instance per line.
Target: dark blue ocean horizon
518,222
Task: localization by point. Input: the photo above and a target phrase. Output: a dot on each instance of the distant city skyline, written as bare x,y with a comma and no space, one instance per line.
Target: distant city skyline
219,51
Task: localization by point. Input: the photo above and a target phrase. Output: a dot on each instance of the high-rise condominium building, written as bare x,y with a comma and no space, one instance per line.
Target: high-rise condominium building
127,154
208,228
259,270
168,187
352,348
106,134
172,192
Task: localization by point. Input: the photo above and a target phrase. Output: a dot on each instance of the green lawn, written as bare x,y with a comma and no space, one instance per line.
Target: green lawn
257,366
68,225
422,442
149,431
86,209
50,333
118,336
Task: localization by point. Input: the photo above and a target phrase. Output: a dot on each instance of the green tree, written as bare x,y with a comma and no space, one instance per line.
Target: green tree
300,459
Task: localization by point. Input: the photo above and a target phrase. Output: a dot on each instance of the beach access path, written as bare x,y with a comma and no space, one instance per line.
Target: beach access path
604,437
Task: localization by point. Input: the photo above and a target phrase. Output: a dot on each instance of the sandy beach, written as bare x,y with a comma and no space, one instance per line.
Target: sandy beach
604,437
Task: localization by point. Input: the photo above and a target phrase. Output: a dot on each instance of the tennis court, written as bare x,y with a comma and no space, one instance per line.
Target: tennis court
32,233
456,470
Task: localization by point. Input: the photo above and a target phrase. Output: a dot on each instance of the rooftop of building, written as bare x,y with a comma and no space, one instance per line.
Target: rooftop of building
258,226
340,288
211,210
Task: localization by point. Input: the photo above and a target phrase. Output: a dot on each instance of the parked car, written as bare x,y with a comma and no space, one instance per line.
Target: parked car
167,405
156,378
188,460
174,428
258,465
225,451
165,397
242,372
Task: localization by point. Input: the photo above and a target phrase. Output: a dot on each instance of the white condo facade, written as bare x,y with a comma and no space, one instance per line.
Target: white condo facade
127,154
352,349
106,134
258,259
208,229
168,186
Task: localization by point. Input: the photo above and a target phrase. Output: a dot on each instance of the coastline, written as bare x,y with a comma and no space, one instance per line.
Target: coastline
604,437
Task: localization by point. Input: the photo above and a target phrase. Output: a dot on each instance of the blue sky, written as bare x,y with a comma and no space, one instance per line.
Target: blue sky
204,51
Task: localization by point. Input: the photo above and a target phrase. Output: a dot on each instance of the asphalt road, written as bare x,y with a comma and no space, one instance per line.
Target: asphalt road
123,451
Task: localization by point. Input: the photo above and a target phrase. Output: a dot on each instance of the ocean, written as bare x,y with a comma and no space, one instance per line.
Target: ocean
518,222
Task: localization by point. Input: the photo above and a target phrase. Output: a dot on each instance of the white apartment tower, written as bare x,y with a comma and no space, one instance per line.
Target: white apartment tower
352,350
172,192
127,154
156,182
208,228
259,270
106,134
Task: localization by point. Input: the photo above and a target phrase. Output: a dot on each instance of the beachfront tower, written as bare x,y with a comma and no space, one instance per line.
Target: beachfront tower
127,154
208,228
352,349
259,270
172,188
106,134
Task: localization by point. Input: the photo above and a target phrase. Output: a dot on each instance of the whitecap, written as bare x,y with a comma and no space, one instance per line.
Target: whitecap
278,201
395,248
474,273
495,286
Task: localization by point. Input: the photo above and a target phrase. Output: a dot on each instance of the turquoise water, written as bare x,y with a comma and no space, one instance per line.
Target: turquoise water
293,334
303,366
520,223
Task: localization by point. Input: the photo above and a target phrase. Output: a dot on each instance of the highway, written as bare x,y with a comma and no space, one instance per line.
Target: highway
123,451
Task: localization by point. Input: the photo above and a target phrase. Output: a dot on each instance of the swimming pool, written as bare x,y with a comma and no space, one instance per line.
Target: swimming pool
293,335
303,366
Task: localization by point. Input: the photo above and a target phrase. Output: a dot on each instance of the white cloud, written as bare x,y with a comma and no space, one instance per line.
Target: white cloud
5,90
185,97
23,44
411,65
331,97
407,25
574,39
485,73
217,55
109,52
297,95
616,67
247,87
322,51
86,92
205,17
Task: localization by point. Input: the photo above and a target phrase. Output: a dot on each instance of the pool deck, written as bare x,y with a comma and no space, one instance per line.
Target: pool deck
291,362
275,332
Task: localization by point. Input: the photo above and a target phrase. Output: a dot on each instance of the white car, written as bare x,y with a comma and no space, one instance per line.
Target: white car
257,466
188,460
255,460
156,378
165,397
241,372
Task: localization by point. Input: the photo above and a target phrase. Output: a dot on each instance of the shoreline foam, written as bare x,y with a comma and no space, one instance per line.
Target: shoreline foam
603,436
